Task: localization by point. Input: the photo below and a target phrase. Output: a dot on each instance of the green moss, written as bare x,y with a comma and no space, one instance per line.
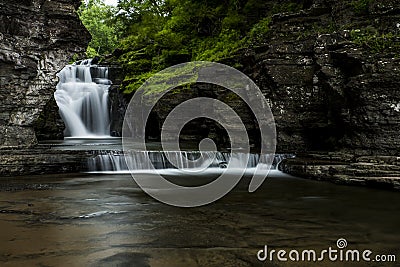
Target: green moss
260,30
159,82
221,47
191,30
131,84
376,42
231,97
74,58
361,6
181,89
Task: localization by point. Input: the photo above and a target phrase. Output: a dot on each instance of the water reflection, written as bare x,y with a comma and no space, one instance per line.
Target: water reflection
80,220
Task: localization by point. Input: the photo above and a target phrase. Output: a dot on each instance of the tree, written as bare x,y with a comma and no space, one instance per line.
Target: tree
154,34
99,19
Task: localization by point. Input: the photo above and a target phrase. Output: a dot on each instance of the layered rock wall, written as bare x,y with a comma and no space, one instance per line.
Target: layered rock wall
331,73
37,39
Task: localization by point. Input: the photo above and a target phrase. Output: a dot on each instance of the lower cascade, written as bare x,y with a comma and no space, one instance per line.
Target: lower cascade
115,161
83,101
82,97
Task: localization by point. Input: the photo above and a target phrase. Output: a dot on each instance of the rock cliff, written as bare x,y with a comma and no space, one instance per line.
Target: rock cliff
331,73
38,38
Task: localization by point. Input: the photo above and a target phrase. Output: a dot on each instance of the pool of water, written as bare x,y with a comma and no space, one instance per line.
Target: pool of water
106,220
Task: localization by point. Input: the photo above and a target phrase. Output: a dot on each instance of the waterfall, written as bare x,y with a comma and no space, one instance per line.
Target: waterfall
115,161
82,97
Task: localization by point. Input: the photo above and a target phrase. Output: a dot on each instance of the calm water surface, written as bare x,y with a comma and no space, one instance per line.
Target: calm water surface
105,220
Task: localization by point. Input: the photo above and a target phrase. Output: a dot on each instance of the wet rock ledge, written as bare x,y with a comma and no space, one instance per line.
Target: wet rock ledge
41,161
348,169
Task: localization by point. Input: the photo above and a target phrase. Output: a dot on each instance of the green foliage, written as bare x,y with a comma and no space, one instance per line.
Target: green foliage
133,83
260,29
361,6
376,42
74,58
221,47
99,19
91,52
154,34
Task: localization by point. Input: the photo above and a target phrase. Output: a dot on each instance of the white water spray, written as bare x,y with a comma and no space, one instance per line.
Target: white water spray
115,161
83,100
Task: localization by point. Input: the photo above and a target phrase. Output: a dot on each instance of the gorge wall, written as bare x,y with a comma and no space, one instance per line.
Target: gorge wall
331,73
38,38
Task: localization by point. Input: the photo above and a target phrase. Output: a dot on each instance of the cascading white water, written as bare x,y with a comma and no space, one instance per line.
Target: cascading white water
115,161
83,100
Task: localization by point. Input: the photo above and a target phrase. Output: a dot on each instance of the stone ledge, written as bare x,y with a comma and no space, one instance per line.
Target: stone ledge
372,171
41,161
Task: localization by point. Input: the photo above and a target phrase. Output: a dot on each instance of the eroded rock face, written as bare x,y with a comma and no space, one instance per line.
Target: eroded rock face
37,39
328,92
333,77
